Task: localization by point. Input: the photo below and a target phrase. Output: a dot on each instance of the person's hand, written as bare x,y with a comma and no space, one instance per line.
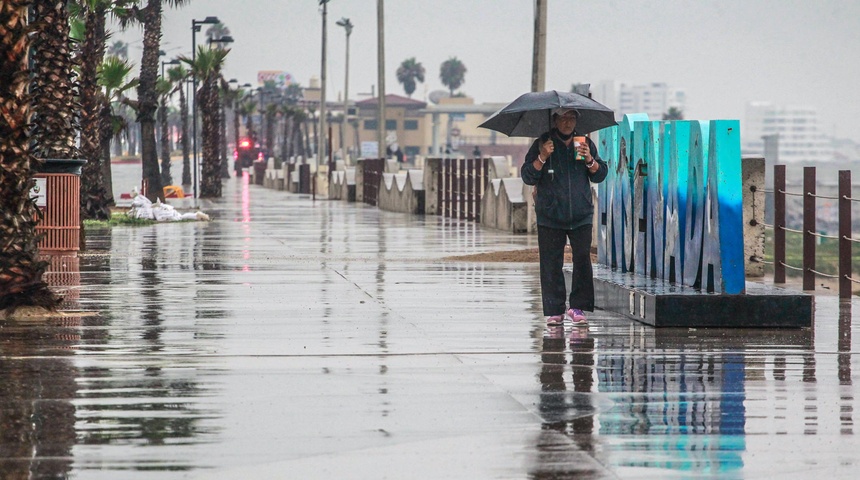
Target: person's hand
546,150
584,152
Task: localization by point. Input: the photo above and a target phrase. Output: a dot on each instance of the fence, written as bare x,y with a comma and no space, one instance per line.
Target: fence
460,187
809,232
372,177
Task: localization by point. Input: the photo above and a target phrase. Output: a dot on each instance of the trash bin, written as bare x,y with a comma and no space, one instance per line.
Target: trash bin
259,171
58,196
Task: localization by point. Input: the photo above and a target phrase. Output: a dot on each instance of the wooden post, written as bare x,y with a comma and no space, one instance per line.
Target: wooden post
808,228
845,234
779,224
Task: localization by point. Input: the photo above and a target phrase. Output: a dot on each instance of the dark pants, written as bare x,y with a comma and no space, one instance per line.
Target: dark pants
551,243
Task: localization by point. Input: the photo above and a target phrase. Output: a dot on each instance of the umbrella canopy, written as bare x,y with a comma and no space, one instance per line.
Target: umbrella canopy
530,114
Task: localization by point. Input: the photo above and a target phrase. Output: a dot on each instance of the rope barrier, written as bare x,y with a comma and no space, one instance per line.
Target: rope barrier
797,269
855,240
852,279
823,274
821,235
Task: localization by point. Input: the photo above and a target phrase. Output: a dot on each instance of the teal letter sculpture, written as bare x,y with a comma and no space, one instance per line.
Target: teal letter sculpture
670,207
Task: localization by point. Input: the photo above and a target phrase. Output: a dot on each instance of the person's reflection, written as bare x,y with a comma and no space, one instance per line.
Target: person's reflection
552,441
37,386
552,399
582,364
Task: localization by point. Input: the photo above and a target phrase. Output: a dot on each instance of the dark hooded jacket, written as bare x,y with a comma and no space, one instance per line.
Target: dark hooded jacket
563,198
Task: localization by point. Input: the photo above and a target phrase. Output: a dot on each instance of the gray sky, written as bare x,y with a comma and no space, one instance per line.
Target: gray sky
722,53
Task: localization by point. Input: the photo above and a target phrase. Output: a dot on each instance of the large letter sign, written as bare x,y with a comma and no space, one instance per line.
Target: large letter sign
670,207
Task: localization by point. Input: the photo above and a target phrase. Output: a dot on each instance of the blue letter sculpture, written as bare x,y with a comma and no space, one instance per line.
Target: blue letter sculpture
670,207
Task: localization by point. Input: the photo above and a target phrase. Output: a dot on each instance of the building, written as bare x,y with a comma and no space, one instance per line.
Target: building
795,129
449,127
654,99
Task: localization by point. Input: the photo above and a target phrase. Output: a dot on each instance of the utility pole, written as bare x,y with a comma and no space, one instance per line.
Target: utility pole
380,45
347,25
321,145
539,54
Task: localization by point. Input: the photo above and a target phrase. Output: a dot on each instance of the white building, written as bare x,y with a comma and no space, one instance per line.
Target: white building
800,138
655,99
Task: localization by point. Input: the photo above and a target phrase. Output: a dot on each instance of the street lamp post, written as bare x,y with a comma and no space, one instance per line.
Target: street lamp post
322,133
380,74
172,62
347,25
195,27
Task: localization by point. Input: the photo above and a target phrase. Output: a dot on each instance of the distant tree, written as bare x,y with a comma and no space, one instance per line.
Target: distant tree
216,31
118,49
452,73
409,73
674,113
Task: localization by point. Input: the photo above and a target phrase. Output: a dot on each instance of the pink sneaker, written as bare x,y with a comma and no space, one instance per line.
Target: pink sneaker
577,317
555,320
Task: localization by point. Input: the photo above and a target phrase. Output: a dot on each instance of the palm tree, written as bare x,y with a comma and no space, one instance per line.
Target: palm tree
452,74
177,76
113,79
118,49
674,113
95,196
247,107
408,73
271,115
147,94
21,270
163,86
216,31
207,68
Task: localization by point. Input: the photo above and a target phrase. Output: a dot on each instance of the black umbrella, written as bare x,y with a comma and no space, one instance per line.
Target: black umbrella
529,115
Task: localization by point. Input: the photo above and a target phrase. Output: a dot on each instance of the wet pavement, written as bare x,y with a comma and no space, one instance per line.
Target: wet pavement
291,338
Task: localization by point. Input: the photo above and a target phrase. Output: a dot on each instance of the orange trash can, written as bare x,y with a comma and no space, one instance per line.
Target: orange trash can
58,195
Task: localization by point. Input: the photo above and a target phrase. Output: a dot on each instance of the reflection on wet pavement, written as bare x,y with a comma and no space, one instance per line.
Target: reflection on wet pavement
292,338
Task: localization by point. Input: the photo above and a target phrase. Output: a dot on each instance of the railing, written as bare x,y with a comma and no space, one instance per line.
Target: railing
372,178
810,235
461,186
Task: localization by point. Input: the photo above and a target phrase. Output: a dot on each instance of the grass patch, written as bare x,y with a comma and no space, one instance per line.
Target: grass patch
826,254
119,219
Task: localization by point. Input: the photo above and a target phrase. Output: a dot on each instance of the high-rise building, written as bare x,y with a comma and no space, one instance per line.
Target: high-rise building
798,135
655,99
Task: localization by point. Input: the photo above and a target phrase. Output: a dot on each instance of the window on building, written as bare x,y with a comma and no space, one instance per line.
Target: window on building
370,124
391,124
412,151
410,124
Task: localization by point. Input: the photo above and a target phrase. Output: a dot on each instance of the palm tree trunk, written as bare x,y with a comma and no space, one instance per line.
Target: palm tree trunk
148,99
55,122
21,271
94,193
186,150
236,123
210,184
106,135
222,136
166,177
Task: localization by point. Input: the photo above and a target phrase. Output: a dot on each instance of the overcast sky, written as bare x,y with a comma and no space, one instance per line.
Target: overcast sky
722,53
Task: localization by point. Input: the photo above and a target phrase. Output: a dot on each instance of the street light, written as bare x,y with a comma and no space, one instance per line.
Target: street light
347,25
224,39
172,62
195,27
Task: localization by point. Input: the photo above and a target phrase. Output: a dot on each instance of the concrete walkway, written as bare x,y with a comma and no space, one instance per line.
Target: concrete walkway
296,339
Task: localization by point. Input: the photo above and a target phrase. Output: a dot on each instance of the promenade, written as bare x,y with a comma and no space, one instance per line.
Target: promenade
297,339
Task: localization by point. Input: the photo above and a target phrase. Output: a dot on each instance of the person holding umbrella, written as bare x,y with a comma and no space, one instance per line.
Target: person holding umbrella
562,170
